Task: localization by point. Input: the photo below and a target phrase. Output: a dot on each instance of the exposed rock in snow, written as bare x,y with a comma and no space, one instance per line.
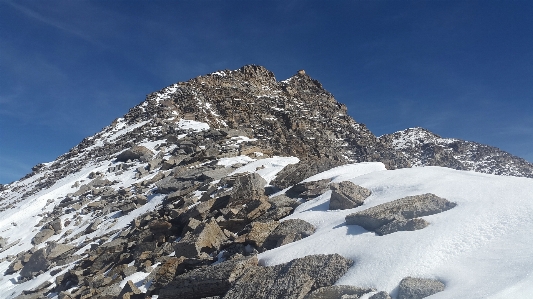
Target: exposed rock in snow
400,214
418,288
191,181
347,195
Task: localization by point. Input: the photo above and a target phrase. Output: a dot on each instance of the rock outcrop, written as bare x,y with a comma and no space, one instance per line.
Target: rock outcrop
424,148
347,195
418,288
294,279
400,214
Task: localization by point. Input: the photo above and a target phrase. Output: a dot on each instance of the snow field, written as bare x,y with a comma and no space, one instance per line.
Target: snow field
482,248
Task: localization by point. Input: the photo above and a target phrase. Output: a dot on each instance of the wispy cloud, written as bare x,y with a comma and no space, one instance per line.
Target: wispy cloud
54,23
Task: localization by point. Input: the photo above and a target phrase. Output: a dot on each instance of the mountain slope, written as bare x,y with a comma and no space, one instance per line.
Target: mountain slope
185,183
424,148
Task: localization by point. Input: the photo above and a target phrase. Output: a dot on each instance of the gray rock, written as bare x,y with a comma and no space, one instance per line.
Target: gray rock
140,199
216,174
15,266
401,209
338,291
287,232
347,195
54,250
380,295
56,225
248,187
418,288
3,242
402,225
281,201
42,236
260,231
292,174
166,272
171,184
128,207
93,226
309,189
294,279
207,237
207,281
37,262
136,152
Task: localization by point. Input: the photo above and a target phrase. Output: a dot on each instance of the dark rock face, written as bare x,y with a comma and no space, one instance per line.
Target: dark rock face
418,288
207,281
338,291
294,279
400,214
37,262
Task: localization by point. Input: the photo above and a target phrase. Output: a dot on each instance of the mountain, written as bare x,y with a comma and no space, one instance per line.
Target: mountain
424,148
236,185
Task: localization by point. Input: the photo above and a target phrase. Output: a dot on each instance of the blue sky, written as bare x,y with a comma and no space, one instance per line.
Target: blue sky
461,69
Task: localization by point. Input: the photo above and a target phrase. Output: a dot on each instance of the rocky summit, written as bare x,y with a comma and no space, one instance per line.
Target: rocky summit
183,195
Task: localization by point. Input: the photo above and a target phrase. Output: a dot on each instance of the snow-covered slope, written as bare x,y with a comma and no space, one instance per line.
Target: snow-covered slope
197,158
482,248
424,148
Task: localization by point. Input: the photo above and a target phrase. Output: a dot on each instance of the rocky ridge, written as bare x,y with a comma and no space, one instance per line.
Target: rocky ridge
176,197
424,148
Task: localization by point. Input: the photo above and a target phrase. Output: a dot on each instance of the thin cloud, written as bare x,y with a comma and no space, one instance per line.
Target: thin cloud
53,23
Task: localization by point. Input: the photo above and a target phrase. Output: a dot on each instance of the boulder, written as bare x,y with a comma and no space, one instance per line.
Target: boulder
166,272
260,232
292,174
56,225
294,279
93,226
338,291
37,262
248,187
287,232
347,195
216,174
15,266
158,226
418,288
208,281
207,237
380,295
128,290
54,250
176,186
309,189
406,208
42,236
140,199
402,225
135,153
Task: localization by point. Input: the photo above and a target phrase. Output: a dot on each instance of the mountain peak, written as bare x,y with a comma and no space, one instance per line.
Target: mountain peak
176,191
